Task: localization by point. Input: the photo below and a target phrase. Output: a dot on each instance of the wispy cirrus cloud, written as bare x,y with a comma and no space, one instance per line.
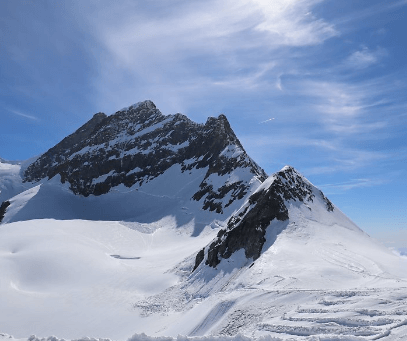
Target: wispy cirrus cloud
348,108
266,59
292,23
317,155
21,114
198,49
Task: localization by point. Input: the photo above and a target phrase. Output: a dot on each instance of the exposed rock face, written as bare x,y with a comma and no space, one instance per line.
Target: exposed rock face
137,144
3,208
247,229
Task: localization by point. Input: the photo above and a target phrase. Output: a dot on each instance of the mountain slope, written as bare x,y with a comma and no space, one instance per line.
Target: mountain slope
286,204
288,263
248,227
146,157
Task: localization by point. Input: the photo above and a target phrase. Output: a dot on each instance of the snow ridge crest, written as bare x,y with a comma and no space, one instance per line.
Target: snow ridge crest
247,228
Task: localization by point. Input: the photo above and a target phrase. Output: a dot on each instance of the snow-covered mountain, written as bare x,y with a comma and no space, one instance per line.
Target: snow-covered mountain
138,164
165,226
247,228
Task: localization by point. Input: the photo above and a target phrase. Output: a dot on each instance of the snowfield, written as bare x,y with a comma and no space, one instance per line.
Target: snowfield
75,278
114,279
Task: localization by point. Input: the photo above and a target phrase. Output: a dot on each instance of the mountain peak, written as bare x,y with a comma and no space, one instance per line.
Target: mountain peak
221,119
99,116
147,104
138,144
288,168
289,172
271,201
221,130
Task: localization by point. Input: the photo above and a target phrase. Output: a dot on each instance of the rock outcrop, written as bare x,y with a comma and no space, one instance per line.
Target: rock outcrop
247,229
3,207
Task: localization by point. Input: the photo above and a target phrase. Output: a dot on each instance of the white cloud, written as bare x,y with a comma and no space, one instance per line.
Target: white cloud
200,27
365,58
346,108
291,22
352,184
195,48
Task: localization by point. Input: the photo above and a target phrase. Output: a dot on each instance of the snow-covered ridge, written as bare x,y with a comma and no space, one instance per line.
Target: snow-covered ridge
140,146
247,228
139,136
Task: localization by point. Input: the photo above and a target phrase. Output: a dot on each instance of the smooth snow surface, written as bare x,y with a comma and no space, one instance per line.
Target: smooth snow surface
75,278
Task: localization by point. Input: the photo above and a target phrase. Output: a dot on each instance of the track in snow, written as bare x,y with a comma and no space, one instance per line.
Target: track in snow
213,317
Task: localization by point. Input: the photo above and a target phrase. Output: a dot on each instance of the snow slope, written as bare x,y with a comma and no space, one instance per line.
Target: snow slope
76,278
315,259
315,280
167,194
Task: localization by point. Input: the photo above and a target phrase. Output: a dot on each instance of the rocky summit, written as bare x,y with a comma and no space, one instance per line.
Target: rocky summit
138,144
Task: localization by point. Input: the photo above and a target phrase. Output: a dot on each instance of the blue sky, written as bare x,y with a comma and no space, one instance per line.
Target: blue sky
319,85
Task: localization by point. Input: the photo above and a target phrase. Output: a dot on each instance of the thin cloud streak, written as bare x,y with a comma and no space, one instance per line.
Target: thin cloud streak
269,120
18,113
352,184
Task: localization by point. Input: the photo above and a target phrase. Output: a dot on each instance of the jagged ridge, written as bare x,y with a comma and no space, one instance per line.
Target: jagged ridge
246,230
139,143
